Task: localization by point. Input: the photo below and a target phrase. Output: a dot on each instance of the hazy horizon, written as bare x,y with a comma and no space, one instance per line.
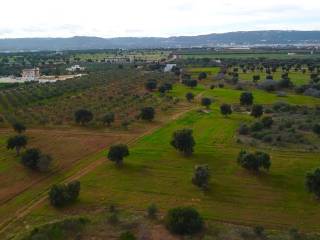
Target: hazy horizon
143,18
191,35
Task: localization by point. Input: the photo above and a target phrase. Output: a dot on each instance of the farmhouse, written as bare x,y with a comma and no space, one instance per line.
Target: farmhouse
75,68
30,74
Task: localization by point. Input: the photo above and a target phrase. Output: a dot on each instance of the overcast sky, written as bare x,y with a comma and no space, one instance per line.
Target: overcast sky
117,18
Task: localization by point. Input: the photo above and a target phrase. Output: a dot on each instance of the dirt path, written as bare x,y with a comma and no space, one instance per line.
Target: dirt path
28,207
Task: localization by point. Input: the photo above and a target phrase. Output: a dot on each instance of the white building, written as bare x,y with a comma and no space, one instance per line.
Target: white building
169,67
30,74
75,68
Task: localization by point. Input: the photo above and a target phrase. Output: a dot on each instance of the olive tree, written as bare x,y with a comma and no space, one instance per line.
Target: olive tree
147,113
63,194
108,118
254,161
225,109
19,127
206,102
83,116
246,98
184,220
189,96
183,141
17,142
257,111
313,182
201,176
117,153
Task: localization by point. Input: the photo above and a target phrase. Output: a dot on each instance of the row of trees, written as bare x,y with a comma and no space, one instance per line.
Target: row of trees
84,116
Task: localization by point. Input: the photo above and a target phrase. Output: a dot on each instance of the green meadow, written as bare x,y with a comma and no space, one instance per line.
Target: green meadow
156,173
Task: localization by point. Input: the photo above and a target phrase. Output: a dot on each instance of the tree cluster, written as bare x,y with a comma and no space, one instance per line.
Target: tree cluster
254,161
63,194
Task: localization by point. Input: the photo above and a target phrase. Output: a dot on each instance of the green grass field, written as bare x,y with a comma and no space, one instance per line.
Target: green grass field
224,55
298,78
155,173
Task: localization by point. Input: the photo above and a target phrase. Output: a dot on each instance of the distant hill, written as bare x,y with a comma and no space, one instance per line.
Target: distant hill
210,40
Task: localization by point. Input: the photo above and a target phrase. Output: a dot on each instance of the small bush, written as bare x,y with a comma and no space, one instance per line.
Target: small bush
244,129
201,176
316,128
258,230
267,121
257,126
184,220
246,98
127,236
152,211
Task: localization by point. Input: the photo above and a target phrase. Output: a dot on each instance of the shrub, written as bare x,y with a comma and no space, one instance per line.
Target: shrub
83,116
183,141
190,83
267,121
30,158
225,109
256,78
189,96
62,194
65,229
257,111
44,163
202,75
151,85
206,102
201,176
257,126
281,107
313,182
108,118
254,161
18,127
147,113
268,85
243,129
316,128
285,83
258,230
127,236
184,220
34,159
117,153
246,98
152,211
165,87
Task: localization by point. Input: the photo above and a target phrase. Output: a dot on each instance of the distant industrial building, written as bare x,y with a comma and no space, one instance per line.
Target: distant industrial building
30,74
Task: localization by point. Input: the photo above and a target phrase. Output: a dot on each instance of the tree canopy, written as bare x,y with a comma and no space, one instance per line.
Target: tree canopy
254,161
83,116
184,220
147,113
17,142
117,153
183,141
225,109
246,98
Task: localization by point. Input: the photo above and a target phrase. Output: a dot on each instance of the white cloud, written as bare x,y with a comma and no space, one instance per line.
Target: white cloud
108,18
